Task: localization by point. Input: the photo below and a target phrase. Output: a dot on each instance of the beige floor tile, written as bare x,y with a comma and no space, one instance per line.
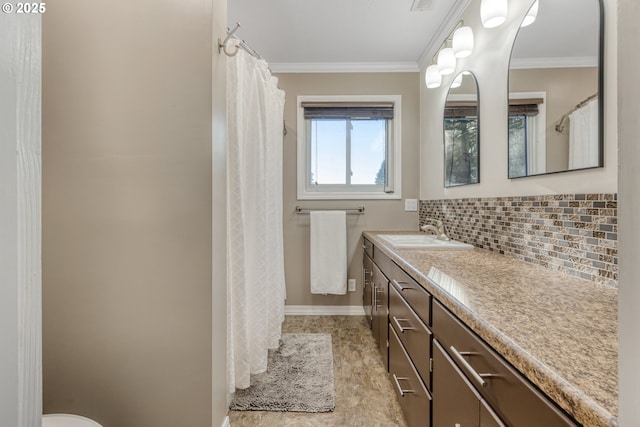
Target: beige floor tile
364,394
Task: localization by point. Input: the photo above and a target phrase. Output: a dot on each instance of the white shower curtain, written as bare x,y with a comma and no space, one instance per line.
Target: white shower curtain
255,265
583,136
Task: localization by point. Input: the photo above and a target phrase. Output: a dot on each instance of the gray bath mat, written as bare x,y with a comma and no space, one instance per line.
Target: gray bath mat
299,378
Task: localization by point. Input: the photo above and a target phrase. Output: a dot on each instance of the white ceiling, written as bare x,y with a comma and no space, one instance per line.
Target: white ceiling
385,35
566,30
340,31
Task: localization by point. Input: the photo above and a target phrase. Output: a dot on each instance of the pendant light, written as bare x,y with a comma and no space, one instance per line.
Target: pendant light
462,42
446,61
531,15
432,77
493,12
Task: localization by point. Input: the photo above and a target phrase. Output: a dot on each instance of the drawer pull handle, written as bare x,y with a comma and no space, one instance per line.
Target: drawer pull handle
400,389
406,328
460,358
376,291
374,294
399,284
365,272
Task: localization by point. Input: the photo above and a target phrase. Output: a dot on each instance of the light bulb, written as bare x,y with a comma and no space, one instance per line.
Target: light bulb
446,61
462,42
531,15
432,77
493,12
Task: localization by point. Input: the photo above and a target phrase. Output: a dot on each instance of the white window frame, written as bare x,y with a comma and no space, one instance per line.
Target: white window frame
394,154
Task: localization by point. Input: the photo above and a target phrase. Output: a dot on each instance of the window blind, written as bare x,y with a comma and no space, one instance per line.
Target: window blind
348,110
462,111
524,107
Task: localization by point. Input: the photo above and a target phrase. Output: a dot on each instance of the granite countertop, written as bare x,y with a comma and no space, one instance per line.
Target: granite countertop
558,330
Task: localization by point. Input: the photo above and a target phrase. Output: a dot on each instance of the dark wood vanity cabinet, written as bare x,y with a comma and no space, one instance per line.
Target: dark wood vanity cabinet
402,333
380,310
411,391
455,401
443,374
506,392
367,287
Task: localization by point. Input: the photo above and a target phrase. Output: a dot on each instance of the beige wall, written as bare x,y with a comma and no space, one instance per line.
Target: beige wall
127,229
379,214
629,235
564,88
490,64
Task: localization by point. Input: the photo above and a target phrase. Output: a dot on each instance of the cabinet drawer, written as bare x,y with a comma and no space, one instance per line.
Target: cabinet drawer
455,401
414,399
383,261
419,300
513,398
415,337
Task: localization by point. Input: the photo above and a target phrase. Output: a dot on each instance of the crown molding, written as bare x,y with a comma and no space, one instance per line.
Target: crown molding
452,18
344,67
566,62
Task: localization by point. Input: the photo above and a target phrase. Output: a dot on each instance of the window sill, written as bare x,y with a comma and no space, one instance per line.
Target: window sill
349,196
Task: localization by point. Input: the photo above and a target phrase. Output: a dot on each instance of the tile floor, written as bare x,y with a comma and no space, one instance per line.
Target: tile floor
364,394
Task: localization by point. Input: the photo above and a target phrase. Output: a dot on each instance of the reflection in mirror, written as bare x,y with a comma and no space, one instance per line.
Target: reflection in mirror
461,132
555,78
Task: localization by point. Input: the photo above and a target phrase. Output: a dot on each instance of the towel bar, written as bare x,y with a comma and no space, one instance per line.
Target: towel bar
350,211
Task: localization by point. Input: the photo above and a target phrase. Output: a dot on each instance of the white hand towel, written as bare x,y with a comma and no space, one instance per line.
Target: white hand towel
328,252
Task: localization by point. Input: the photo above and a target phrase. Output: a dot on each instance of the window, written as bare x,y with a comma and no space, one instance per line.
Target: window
349,147
461,141
527,143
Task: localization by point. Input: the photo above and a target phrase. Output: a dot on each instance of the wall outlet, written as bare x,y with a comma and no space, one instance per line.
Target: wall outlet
410,205
352,285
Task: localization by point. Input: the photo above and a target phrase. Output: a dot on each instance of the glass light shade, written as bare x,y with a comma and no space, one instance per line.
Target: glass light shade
463,42
432,77
493,12
531,15
457,82
446,61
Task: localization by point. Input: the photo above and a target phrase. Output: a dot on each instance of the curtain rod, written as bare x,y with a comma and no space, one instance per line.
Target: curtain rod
560,125
222,45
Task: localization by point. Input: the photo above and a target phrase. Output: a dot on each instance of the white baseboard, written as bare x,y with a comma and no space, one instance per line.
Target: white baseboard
324,310
226,422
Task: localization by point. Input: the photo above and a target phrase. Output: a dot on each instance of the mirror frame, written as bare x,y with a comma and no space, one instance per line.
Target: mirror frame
601,98
444,156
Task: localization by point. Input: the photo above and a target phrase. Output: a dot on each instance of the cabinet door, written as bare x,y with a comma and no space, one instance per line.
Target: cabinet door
383,320
380,309
367,288
455,401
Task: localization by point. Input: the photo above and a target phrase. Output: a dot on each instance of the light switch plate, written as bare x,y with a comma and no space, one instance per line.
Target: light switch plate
410,205
352,285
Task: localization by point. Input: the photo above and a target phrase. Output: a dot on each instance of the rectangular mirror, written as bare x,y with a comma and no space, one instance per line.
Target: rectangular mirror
555,89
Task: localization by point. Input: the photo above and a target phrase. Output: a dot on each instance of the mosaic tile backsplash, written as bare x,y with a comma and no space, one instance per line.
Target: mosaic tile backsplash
573,233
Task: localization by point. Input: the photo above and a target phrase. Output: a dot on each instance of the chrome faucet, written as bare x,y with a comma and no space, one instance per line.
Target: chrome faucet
437,229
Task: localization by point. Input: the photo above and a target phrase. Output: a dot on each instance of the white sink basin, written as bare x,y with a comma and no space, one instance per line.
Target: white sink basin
425,241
